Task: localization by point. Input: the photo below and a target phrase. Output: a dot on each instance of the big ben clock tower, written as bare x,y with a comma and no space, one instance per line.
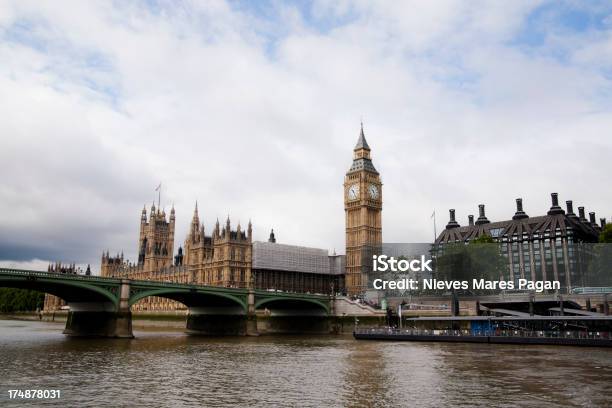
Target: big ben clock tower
363,208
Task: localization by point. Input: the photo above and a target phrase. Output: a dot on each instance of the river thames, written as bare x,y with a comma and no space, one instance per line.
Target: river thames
172,369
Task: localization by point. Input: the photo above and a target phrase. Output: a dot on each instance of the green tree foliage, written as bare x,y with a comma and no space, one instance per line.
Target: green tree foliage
480,259
18,300
599,260
606,234
483,239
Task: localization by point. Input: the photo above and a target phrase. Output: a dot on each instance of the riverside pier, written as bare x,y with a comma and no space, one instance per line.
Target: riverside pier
594,331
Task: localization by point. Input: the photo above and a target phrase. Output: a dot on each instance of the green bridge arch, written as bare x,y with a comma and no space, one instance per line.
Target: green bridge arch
43,282
324,305
165,292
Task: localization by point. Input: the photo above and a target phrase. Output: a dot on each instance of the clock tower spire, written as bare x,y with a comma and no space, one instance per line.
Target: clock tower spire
363,210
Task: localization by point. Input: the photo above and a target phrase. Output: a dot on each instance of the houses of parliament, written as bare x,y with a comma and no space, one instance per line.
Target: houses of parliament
229,257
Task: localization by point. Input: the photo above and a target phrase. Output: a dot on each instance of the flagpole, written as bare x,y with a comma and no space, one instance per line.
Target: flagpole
158,189
435,229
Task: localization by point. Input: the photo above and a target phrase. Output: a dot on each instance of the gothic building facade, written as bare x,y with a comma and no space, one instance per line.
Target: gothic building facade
220,259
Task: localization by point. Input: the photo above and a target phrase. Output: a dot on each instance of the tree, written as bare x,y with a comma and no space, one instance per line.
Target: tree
480,259
484,239
20,300
606,234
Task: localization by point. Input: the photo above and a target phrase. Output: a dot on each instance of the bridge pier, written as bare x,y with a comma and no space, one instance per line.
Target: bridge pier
217,321
251,323
292,324
98,319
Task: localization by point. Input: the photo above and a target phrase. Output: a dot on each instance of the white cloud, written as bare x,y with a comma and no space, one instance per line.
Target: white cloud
257,117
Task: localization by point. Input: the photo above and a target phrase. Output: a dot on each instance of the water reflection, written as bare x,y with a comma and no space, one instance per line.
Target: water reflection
171,369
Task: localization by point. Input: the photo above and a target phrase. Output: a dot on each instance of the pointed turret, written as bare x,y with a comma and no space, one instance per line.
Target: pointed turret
361,155
250,231
196,216
362,143
272,238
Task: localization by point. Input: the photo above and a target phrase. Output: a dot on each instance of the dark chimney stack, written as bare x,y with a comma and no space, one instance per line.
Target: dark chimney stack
555,209
471,220
570,210
452,223
581,214
602,222
592,219
519,214
482,218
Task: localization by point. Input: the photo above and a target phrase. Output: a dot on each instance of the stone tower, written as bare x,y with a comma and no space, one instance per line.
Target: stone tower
363,210
156,240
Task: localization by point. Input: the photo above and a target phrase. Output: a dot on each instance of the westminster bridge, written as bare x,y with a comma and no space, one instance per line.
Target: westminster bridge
101,306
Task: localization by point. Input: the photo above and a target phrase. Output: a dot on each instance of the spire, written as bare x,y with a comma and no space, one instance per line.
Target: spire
361,142
196,216
361,156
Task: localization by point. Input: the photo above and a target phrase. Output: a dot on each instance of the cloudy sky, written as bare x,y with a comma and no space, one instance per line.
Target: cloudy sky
253,108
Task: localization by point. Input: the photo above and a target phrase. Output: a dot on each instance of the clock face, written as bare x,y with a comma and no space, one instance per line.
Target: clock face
353,192
373,191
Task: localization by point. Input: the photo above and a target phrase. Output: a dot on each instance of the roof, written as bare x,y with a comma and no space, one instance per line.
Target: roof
362,143
362,164
519,227
293,258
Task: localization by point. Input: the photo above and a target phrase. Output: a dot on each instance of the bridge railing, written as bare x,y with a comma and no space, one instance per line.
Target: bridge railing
56,274
92,278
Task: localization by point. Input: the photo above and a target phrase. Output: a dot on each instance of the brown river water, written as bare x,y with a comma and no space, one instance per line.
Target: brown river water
164,369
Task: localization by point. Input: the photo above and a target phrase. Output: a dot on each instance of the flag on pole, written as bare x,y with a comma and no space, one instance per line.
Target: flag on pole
158,189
